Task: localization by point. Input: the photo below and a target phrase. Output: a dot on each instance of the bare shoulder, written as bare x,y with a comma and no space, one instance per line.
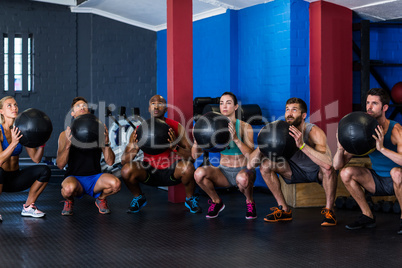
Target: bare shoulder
397,131
62,137
317,132
244,125
62,134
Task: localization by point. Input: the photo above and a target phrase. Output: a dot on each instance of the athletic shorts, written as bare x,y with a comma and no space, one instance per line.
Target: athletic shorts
231,172
160,177
300,176
383,185
88,184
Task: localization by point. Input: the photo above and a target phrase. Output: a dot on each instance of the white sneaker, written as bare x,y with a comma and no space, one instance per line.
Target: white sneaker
32,211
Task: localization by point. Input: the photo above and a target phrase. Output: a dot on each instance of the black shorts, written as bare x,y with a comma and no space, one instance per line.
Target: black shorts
301,176
160,177
20,180
383,185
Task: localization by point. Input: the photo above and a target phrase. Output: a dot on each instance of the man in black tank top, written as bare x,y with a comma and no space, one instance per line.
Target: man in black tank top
312,163
83,174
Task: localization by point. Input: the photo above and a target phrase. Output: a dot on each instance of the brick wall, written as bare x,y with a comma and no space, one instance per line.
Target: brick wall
81,54
273,55
259,53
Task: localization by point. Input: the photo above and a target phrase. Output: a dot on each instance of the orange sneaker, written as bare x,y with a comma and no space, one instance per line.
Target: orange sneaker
278,214
330,219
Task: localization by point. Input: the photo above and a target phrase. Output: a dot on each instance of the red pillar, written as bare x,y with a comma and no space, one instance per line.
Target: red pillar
331,63
179,70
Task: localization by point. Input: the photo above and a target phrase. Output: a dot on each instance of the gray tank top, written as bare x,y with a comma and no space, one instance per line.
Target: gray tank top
300,158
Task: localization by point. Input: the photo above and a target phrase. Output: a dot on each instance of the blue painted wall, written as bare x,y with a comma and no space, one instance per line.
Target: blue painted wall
259,53
211,57
385,46
274,55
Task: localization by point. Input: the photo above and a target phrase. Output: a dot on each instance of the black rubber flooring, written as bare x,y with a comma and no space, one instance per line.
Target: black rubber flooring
164,234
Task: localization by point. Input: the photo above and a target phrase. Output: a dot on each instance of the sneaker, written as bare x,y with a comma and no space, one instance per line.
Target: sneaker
192,204
330,219
68,208
102,206
1,218
278,215
400,227
362,222
214,209
31,211
137,203
251,213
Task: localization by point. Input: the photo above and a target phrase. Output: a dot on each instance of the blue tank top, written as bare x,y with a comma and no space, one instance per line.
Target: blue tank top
381,164
232,148
5,144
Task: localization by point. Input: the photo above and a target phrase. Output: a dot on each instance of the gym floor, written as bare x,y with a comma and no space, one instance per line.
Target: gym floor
164,234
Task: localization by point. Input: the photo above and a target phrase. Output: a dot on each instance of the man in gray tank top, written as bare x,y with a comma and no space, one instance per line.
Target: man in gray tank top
312,163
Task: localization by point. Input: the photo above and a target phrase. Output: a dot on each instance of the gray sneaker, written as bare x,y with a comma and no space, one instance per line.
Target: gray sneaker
32,211
102,206
68,208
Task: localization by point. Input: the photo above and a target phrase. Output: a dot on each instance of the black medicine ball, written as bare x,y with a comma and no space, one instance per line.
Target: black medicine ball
211,131
153,135
88,129
355,132
275,141
35,127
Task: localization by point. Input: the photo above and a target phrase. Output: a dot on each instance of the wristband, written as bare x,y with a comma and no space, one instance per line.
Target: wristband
176,148
43,145
301,147
107,144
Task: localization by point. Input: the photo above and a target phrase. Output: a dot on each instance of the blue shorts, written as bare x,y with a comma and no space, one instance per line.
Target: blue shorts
88,184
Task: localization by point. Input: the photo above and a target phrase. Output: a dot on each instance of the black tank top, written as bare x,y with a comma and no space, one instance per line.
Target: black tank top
83,162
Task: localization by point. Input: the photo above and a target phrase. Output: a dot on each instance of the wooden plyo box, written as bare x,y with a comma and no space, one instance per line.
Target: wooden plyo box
312,194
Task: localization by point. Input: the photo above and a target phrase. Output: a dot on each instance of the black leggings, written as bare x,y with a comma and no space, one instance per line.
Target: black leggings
20,180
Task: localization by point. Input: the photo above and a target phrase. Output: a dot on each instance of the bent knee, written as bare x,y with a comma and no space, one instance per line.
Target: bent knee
396,175
199,174
116,185
265,168
68,190
347,174
127,170
243,179
328,173
186,167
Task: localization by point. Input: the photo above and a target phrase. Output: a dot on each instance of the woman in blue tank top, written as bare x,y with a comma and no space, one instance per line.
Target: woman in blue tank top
12,179
232,170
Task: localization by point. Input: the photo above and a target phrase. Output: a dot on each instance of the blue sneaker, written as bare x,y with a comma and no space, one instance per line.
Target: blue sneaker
137,203
192,204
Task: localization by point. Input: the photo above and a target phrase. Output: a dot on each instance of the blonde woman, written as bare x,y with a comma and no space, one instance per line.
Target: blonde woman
12,178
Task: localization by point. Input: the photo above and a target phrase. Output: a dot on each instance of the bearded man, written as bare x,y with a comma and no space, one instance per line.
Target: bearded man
312,163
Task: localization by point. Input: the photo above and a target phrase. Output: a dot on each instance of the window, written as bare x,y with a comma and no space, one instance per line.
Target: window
18,58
